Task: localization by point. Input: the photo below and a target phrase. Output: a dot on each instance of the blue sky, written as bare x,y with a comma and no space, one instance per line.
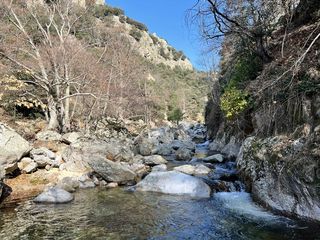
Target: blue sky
167,18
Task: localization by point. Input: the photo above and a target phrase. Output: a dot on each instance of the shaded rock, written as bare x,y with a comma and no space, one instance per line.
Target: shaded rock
232,149
174,183
54,195
154,160
183,154
197,170
159,168
164,149
49,136
12,148
217,158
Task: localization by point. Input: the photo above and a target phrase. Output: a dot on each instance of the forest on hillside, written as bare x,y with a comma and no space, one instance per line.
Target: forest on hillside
73,67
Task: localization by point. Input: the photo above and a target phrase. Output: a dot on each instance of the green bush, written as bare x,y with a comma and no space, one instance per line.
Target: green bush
136,34
176,115
103,11
246,68
234,102
137,24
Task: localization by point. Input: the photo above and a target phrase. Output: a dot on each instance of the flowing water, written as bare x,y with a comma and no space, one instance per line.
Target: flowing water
120,214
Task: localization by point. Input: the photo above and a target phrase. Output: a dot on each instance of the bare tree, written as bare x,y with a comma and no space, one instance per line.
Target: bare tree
250,20
44,47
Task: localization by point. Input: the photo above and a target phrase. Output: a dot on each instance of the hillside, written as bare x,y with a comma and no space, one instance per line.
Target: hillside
94,55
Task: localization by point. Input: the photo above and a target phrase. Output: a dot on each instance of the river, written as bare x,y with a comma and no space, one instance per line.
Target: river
120,214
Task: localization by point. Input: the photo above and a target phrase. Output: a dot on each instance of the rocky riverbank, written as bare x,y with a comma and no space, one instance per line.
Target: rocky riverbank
172,160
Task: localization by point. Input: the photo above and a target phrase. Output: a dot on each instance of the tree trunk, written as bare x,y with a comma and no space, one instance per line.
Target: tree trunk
66,120
53,114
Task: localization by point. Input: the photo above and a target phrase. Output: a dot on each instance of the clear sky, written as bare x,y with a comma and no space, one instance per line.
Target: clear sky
167,18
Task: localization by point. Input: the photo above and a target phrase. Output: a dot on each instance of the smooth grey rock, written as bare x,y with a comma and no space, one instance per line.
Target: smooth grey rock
176,183
160,168
154,160
217,158
54,195
12,147
195,170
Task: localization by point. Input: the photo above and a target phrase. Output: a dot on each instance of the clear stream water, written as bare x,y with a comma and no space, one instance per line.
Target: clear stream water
119,214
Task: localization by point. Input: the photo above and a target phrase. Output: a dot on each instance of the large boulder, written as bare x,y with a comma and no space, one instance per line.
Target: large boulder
176,183
54,195
77,156
281,176
12,148
111,171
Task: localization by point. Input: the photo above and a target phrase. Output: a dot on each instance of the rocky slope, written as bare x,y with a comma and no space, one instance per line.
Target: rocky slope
150,46
272,110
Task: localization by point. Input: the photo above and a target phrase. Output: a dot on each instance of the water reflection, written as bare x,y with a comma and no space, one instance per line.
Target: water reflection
117,214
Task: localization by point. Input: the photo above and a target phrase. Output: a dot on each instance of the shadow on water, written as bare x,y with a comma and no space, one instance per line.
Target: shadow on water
118,214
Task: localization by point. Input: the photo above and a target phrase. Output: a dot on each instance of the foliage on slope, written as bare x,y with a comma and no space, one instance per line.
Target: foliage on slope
275,97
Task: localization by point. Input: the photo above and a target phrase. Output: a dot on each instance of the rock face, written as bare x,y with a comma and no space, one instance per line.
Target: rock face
12,147
54,195
174,183
281,175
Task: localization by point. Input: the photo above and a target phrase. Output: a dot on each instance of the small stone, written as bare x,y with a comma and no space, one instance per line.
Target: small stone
112,185
30,168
